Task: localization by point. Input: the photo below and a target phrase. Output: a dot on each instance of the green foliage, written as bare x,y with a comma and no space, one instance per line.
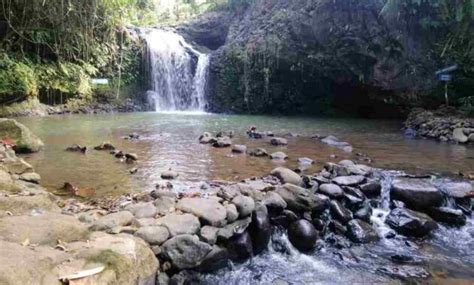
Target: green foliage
16,78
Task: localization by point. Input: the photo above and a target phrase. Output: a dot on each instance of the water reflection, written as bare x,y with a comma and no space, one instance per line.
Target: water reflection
170,141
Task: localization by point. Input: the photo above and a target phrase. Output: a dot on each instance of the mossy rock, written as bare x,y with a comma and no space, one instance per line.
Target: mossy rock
24,139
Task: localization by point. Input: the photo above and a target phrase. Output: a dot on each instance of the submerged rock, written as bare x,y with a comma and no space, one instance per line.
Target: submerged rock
416,193
448,215
185,251
410,223
77,148
222,142
302,235
279,155
237,148
169,175
361,232
259,152
105,146
278,141
23,139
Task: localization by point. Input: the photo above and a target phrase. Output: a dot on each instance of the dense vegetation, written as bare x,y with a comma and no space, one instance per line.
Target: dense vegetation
51,49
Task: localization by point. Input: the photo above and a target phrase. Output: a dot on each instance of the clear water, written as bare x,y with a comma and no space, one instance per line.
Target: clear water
170,140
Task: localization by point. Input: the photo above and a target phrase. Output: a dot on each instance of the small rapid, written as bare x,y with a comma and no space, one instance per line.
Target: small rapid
177,72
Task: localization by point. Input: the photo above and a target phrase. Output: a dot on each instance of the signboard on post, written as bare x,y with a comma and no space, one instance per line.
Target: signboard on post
100,81
444,75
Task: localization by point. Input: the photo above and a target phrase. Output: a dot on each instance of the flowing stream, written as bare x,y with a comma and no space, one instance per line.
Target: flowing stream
171,141
177,72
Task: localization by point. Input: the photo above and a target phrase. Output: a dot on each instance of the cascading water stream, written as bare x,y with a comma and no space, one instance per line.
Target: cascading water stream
177,72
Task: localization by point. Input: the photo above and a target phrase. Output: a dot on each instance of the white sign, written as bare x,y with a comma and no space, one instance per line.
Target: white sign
100,81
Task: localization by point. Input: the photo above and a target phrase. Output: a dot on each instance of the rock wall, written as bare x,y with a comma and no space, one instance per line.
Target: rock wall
310,56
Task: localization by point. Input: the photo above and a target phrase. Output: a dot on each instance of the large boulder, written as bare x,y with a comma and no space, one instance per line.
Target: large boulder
209,211
127,259
260,229
302,200
240,246
179,224
245,205
361,232
154,235
185,251
286,175
44,229
418,194
110,221
302,235
459,135
410,223
331,190
23,138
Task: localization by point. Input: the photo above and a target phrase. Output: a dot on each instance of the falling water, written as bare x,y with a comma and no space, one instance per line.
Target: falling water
178,72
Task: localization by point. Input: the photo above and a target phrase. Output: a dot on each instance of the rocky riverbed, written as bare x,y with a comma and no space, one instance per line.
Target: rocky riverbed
445,125
160,236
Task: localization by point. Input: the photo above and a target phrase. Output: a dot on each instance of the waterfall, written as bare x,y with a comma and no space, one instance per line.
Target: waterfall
177,72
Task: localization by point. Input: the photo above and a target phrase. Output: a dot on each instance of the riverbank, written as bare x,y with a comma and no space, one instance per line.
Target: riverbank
33,107
177,234
444,125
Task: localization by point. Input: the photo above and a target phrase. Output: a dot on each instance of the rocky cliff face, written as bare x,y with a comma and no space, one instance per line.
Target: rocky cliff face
283,56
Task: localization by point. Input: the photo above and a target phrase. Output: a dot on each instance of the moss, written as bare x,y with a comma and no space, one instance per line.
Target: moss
115,262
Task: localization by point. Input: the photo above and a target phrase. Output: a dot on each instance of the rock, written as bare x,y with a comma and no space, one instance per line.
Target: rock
410,223
349,180
331,190
236,228
278,156
339,212
43,229
179,224
305,161
361,232
222,142
302,235
354,192
113,220
209,211
302,200
359,169
32,177
169,175
335,142
278,141
346,163
260,229
371,189
416,193
185,251
259,152
364,213
245,205
458,189
154,235
142,210
237,148
459,136
274,202
77,148
162,279
209,234
131,156
471,138
406,272
164,204
105,146
240,246
447,215
232,214
22,205
286,175
206,138
337,227
216,259
25,141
